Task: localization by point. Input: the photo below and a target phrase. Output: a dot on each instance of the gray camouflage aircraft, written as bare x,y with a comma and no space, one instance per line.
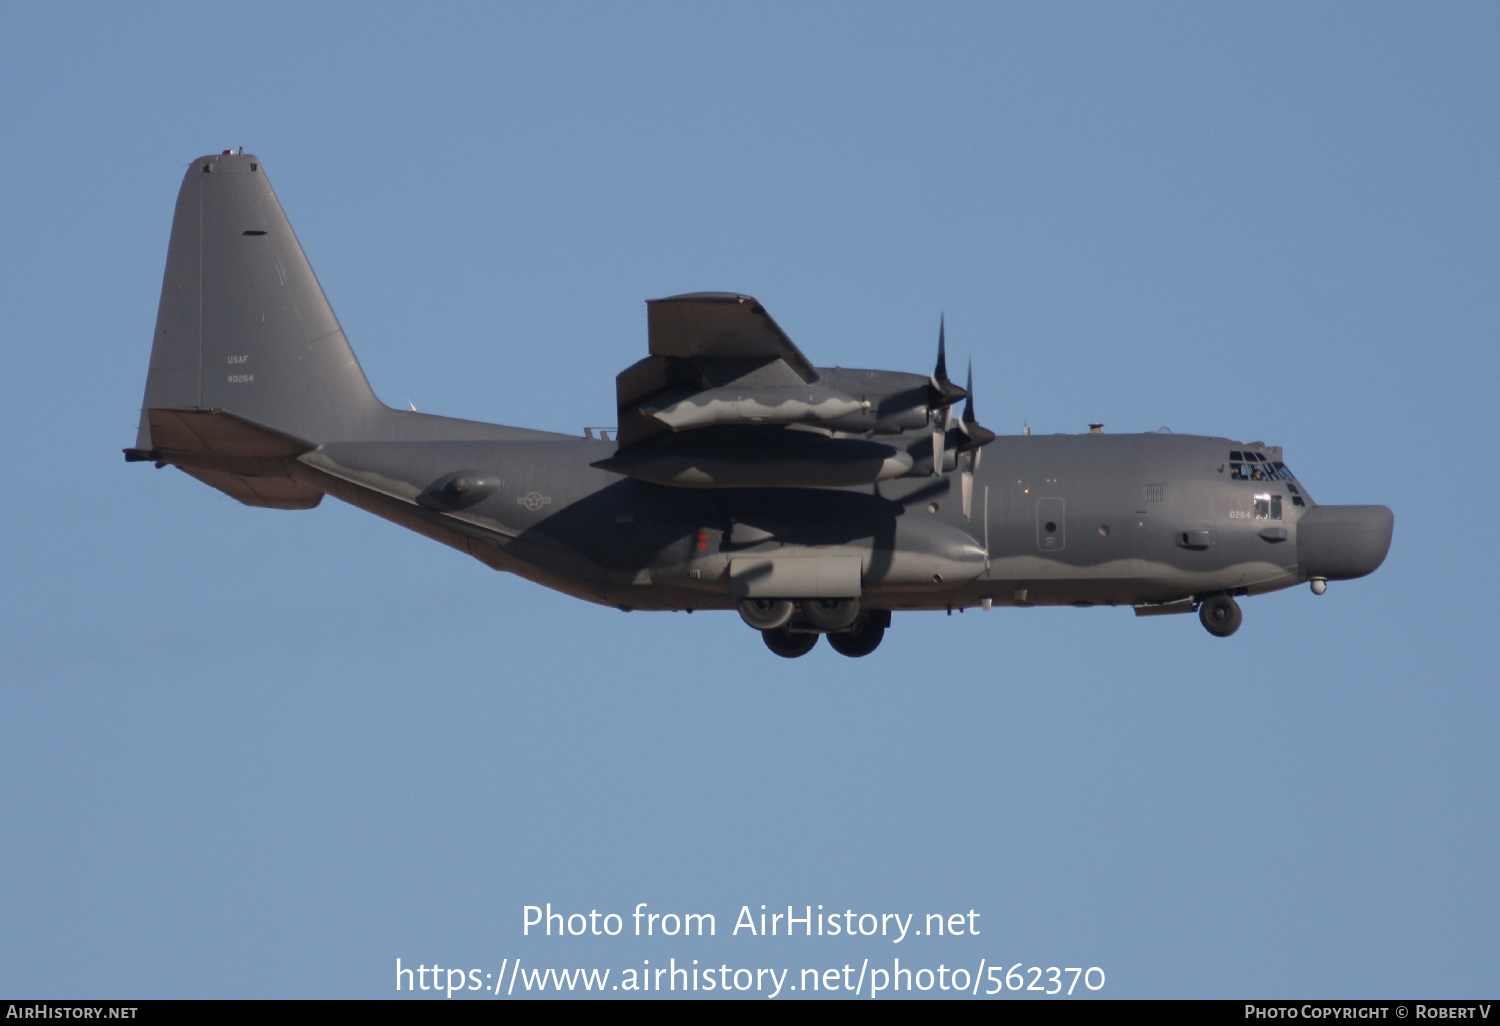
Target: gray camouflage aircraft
815,500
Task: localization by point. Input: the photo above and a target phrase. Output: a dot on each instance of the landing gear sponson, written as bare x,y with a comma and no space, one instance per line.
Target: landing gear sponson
791,629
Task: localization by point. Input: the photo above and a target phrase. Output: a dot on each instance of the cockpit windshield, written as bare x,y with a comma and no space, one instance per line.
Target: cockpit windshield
1253,466
1249,465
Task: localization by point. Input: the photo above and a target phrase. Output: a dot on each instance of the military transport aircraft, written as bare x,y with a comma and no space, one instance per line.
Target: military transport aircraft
814,500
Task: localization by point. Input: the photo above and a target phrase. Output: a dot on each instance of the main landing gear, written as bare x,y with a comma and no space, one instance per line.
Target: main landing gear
791,629
1220,614
863,636
787,644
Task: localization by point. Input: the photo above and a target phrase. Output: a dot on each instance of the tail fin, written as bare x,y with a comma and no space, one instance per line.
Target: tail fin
243,327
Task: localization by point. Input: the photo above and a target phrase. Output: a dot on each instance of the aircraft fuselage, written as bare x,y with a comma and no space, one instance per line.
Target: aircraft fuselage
1131,519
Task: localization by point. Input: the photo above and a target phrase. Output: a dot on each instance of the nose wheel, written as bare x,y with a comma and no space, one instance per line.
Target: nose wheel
1221,615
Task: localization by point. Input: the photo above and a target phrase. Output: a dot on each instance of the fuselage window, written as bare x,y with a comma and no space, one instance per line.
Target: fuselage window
1268,507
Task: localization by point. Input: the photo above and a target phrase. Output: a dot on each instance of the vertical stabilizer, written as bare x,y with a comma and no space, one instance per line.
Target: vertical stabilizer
243,326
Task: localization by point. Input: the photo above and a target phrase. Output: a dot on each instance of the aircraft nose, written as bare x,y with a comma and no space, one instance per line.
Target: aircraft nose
1342,542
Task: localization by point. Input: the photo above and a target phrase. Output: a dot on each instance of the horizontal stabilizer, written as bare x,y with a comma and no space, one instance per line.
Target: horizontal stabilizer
267,492
247,461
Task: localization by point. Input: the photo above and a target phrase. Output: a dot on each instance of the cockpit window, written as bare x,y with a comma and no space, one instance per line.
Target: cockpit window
1253,466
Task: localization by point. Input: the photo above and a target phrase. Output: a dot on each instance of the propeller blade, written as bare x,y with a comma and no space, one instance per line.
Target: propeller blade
940,372
967,420
968,462
939,438
944,392
976,435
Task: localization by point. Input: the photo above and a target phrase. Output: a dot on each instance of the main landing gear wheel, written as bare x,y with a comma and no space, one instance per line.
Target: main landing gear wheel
830,614
1221,615
789,645
766,614
864,637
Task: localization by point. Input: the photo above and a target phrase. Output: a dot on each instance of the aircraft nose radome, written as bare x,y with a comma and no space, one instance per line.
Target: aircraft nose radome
1342,542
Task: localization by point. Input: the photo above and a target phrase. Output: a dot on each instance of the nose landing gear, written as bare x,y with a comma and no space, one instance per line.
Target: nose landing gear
1220,615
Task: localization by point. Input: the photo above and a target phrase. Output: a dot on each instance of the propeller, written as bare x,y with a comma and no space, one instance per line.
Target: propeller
974,437
940,426
942,393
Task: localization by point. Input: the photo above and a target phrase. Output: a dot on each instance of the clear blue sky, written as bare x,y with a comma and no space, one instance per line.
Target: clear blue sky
257,753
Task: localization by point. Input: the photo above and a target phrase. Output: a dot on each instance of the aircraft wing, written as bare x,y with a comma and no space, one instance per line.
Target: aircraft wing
727,400
718,360
721,326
